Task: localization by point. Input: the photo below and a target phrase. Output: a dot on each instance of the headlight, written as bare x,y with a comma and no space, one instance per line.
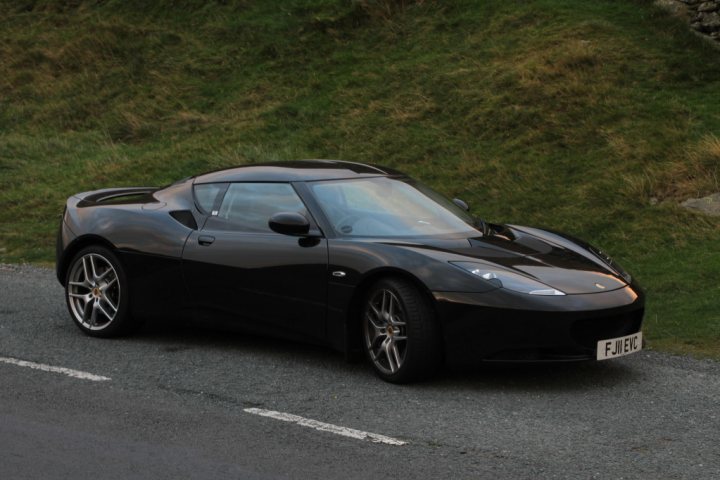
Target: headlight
507,279
611,263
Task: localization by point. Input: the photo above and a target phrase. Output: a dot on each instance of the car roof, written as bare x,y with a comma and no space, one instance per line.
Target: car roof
295,171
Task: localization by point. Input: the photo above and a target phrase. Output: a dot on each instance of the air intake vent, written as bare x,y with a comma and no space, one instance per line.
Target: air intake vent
185,217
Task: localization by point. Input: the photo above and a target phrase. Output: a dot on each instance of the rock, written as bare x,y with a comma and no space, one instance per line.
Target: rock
709,205
702,15
707,7
710,22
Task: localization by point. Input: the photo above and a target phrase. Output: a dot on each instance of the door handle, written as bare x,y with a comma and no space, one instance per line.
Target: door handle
205,240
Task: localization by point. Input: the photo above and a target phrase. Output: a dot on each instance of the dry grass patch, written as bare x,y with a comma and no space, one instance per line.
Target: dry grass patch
691,172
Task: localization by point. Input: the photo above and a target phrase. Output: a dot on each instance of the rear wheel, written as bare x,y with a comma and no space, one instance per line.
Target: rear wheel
400,332
97,294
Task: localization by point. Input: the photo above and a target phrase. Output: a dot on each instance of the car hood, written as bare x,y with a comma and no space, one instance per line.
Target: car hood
553,259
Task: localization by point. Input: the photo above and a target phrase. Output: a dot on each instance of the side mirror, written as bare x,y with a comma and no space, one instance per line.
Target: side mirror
289,223
461,204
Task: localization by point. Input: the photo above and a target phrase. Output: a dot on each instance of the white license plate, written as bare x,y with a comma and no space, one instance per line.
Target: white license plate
617,347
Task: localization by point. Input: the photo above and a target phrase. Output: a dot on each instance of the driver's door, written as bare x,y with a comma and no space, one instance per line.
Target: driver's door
237,268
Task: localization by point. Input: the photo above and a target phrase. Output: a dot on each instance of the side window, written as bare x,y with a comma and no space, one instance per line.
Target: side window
206,193
247,207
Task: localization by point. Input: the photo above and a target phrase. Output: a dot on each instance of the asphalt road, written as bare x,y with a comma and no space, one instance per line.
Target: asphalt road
174,407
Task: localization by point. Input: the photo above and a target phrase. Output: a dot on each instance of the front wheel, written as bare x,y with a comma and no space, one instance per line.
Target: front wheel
97,294
400,332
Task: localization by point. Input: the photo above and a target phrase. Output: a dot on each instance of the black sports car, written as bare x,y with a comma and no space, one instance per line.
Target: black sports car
353,256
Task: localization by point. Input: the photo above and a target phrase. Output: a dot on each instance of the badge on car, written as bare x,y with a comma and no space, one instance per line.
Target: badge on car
617,347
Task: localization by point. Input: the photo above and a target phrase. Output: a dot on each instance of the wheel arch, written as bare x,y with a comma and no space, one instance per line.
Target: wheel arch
353,317
74,247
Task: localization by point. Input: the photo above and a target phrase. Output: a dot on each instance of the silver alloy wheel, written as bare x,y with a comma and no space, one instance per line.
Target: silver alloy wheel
385,334
93,291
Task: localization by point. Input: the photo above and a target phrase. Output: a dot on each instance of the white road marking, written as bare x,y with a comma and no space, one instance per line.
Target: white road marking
326,427
49,368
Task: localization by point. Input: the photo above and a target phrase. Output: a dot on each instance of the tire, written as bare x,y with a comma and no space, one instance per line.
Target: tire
399,332
97,294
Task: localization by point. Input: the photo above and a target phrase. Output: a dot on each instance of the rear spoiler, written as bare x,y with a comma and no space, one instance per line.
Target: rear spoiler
109,194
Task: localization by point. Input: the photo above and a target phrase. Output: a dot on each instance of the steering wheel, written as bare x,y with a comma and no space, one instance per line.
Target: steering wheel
346,223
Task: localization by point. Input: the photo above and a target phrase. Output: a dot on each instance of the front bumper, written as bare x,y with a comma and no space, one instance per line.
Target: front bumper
502,326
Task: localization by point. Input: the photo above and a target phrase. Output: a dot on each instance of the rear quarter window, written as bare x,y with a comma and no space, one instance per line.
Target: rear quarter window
206,194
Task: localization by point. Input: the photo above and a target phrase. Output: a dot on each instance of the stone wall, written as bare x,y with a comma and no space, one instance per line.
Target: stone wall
705,16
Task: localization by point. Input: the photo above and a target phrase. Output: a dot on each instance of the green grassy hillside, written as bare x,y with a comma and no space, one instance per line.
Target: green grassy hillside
592,117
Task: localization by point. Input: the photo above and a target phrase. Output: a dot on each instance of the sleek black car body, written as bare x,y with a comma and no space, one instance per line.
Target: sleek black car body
297,265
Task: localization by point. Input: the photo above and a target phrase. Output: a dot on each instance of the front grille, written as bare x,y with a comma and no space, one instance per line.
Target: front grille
588,331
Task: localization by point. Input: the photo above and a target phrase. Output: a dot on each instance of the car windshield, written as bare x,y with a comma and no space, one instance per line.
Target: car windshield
389,207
